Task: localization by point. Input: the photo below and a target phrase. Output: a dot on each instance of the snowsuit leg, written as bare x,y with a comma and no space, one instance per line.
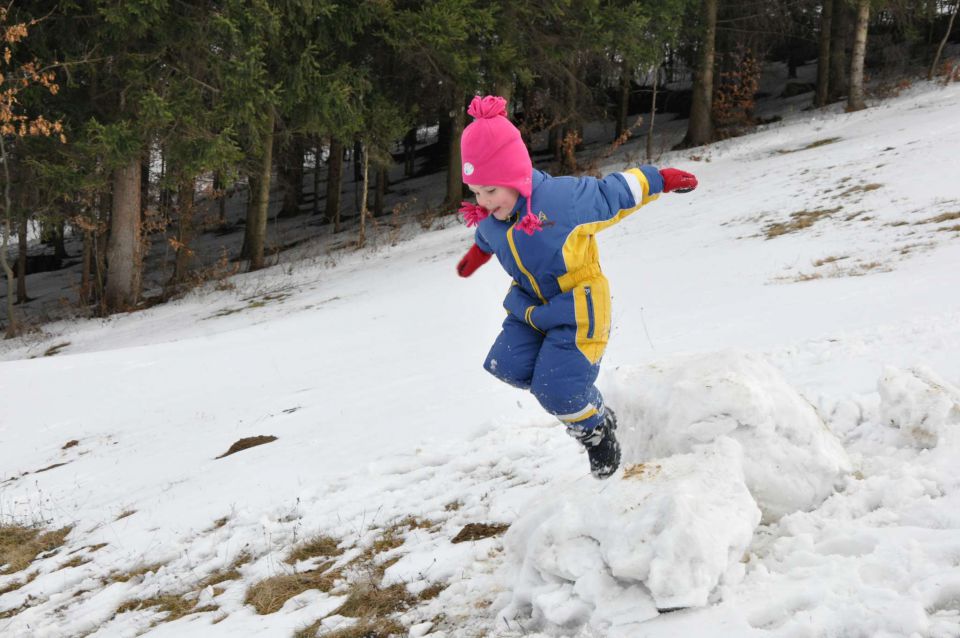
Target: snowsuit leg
514,354
563,381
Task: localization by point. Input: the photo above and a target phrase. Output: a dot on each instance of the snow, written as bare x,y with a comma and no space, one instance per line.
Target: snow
809,377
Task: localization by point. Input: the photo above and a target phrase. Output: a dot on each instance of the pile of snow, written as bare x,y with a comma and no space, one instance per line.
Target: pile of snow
791,459
918,402
608,555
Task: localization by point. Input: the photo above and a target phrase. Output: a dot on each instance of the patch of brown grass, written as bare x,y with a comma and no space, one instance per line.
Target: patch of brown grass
319,546
382,628
270,594
76,562
859,188
230,573
247,443
798,221
367,599
829,260
136,572
175,606
477,531
951,229
125,513
70,444
641,471
55,350
431,592
939,219
20,545
815,144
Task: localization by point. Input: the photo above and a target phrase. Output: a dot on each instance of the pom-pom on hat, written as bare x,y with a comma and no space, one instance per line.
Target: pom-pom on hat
492,150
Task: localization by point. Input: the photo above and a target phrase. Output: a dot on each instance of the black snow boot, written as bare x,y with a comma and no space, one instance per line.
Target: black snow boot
603,450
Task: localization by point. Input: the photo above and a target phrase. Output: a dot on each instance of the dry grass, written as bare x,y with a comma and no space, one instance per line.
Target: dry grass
55,350
173,605
270,594
431,592
798,221
939,219
76,562
641,471
70,444
230,573
950,229
815,144
477,531
20,545
247,443
136,572
320,546
383,628
125,514
830,260
367,599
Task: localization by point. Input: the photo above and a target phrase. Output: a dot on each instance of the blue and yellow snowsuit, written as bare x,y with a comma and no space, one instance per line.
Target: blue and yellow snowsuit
558,306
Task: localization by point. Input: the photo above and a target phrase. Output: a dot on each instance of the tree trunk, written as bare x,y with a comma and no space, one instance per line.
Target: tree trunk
653,113
454,174
856,101
838,51
184,230
334,182
291,179
86,286
700,129
316,179
823,57
256,231
59,247
381,192
123,248
13,326
362,236
623,104
22,259
221,193
943,42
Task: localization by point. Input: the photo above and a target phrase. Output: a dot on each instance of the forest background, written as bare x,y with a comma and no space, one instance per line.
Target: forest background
126,125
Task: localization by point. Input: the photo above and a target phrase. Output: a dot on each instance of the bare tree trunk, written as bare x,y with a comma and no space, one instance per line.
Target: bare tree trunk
623,105
381,192
362,237
700,130
855,101
316,179
943,42
454,176
291,168
838,51
823,57
653,113
123,248
86,286
13,326
221,190
334,182
184,230
22,260
59,247
257,221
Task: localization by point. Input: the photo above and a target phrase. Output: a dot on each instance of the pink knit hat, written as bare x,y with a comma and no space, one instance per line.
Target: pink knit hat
492,150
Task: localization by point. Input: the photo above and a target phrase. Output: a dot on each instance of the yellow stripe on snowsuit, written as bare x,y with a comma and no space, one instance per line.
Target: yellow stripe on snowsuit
581,258
516,258
577,417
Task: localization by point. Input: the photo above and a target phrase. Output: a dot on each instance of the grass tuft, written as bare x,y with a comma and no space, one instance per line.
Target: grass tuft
270,594
798,221
20,545
247,443
478,531
320,546
367,599
174,606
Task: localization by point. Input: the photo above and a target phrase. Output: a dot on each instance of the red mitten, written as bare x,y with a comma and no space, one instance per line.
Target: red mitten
472,260
677,181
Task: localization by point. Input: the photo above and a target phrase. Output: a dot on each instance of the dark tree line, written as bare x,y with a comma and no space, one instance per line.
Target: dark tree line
152,95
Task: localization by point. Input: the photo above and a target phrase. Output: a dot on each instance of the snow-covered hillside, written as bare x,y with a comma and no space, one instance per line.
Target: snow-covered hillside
784,337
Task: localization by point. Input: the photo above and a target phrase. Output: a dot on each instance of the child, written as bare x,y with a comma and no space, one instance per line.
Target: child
542,229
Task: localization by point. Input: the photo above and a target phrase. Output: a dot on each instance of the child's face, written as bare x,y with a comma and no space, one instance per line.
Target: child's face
499,200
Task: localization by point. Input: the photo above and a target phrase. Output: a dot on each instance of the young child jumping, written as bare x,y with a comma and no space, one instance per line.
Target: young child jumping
542,229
